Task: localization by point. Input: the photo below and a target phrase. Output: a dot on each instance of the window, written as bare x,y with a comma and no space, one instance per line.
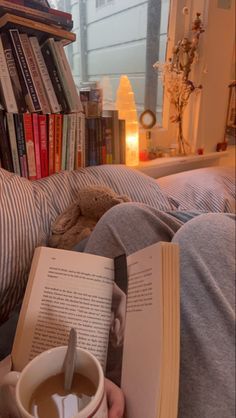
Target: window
125,38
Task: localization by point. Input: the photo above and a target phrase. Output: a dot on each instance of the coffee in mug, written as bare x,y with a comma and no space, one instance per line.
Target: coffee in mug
50,399
40,387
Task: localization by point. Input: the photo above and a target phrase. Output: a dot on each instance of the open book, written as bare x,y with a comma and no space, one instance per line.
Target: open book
71,289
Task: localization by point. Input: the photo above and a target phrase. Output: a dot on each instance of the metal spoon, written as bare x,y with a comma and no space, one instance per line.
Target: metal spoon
69,362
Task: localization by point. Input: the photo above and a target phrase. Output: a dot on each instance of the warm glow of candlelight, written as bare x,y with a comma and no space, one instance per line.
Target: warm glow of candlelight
125,104
132,150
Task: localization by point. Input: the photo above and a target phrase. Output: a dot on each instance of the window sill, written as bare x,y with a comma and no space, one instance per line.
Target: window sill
165,166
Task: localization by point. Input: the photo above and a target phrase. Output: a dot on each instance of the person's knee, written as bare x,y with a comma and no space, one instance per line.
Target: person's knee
206,228
124,211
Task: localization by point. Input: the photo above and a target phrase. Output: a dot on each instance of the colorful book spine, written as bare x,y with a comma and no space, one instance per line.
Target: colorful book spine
19,129
80,141
35,123
51,144
5,150
13,143
43,140
64,142
107,137
71,131
6,84
58,142
35,74
25,71
16,85
29,143
52,98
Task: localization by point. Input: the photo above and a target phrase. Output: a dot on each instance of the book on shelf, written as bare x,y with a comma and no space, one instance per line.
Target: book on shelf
35,123
79,141
65,75
5,149
107,134
71,135
13,143
20,139
64,142
16,85
43,141
35,73
58,142
34,28
29,144
52,98
55,78
51,144
23,67
6,88
70,289
50,18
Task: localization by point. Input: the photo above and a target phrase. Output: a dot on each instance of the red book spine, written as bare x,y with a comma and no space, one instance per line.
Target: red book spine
29,142
43,139
51,143
35,123
58,142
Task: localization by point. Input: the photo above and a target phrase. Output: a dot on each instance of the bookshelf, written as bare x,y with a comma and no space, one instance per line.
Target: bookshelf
46,124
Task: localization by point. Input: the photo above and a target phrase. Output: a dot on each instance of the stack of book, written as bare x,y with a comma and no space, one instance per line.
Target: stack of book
46,124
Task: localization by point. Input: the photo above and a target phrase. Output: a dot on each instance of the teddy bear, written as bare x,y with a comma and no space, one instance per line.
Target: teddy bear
79,219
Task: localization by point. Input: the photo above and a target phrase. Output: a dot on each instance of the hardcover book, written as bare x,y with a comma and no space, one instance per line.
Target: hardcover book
60,20
35,73
6,88
19,93
51,144
55,79
20,139
35,123
71,289
5,150
43,141
29,143
39,29
64,74
33,100
58,142
13,143
52,98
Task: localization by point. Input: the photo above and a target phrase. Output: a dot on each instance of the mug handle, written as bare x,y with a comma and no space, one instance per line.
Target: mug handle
8,407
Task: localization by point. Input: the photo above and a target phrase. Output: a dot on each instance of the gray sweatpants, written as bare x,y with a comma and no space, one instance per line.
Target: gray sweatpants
207,259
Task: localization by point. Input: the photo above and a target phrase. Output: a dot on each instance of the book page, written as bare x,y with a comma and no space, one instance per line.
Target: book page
142,354
66,289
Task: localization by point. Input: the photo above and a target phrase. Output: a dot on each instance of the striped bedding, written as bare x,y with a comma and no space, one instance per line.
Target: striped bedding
28,209
210,189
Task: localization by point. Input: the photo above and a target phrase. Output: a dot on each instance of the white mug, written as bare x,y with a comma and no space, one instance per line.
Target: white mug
49,363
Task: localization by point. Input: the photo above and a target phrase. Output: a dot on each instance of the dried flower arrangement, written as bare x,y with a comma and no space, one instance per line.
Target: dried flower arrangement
175,76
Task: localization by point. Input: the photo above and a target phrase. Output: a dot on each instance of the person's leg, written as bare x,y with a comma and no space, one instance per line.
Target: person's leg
207,369
128,227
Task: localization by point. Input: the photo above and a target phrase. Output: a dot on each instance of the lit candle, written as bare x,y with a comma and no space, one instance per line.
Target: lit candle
126,107
132,150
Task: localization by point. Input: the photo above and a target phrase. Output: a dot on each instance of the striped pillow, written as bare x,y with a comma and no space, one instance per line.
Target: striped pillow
210,189
28,209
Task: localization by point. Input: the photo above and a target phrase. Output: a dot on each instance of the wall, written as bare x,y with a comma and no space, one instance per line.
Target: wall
216,67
